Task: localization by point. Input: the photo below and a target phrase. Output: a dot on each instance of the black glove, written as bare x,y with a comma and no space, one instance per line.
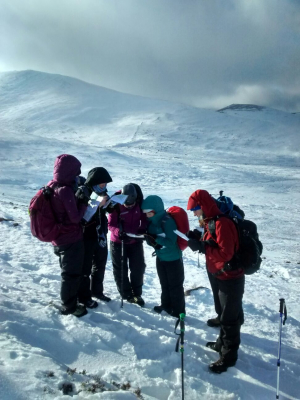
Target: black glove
157,246
83,194
123,236
195,234
211,242
150,239
197,245
81,180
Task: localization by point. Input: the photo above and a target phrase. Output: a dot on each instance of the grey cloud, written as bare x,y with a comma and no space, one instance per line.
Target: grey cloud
192,51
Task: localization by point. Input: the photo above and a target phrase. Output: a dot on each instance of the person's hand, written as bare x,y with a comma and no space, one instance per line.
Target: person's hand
152,235
197,245
83,194
195,234
103,201
150,239
122,236
81,180
211,243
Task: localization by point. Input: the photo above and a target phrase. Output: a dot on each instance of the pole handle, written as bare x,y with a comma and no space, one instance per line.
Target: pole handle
283,310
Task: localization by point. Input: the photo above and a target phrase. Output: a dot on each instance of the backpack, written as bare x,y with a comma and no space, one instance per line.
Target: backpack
250,249
43,223
181,219
225,204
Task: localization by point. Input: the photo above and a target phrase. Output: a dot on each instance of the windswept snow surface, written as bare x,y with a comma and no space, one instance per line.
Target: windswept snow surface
170,150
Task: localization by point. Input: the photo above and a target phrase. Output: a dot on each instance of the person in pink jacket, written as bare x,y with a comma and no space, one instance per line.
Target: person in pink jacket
68,246
128,218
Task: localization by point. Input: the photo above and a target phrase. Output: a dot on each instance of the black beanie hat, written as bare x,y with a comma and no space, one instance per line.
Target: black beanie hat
96,176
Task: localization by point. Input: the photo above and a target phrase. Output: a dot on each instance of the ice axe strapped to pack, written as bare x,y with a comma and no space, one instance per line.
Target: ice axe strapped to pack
226,205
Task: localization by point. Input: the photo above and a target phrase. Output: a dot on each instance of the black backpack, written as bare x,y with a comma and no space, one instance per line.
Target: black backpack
250,249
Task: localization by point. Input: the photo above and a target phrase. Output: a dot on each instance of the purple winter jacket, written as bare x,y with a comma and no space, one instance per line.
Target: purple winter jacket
133,221
65,205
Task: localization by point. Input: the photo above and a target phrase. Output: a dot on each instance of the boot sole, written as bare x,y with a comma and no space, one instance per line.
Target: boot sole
212,325
211,368
211,348
80,315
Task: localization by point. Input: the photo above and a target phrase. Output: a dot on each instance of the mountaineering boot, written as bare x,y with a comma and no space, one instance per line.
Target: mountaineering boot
136,300
158,309
214,322
141,301
221,365
91,304
102,297
79,311
213,346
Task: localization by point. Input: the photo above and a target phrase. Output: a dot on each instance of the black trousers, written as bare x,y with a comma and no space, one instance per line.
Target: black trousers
95,258
171,277
134,261
214,283
71,263
215,289
230,296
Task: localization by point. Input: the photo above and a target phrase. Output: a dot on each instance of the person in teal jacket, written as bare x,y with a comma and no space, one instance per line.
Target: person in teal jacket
160,235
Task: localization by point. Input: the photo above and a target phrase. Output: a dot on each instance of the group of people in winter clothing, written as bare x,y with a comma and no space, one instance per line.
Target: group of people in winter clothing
83,250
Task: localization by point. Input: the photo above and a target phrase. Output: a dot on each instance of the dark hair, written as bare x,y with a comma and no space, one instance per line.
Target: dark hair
130,191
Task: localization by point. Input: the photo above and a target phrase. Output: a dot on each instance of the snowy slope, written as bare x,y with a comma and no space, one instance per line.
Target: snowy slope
170,150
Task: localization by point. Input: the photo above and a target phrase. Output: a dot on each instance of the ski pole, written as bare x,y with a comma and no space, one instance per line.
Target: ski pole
122,272
282,311
181,340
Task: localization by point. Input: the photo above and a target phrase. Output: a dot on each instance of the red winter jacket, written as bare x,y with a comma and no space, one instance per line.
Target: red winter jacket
226,236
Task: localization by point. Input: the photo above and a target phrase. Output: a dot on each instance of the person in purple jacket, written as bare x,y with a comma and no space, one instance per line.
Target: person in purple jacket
68,246
128,218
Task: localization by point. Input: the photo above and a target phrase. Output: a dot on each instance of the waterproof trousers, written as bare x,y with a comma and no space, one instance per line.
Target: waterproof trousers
171,277
95,258
129,270
230,296
71,264
214,283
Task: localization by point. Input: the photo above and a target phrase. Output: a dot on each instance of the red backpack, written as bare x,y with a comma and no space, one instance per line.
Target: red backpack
43,223
182,222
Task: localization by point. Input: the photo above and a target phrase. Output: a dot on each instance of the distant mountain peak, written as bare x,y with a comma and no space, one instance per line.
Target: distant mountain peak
243,107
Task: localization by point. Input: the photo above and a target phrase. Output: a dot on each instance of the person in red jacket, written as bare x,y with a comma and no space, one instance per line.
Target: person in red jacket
219,244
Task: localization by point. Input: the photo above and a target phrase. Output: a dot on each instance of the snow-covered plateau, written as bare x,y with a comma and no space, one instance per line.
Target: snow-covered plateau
251,153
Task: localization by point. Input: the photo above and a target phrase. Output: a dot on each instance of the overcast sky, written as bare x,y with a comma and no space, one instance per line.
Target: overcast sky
207,53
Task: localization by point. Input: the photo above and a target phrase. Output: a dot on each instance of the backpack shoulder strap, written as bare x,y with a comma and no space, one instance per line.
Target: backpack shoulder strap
164,219
212,224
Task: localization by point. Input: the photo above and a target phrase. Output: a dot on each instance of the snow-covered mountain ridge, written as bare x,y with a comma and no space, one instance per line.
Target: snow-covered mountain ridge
170,150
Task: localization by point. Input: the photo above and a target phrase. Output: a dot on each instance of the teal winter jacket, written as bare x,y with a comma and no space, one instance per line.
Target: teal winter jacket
170,250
